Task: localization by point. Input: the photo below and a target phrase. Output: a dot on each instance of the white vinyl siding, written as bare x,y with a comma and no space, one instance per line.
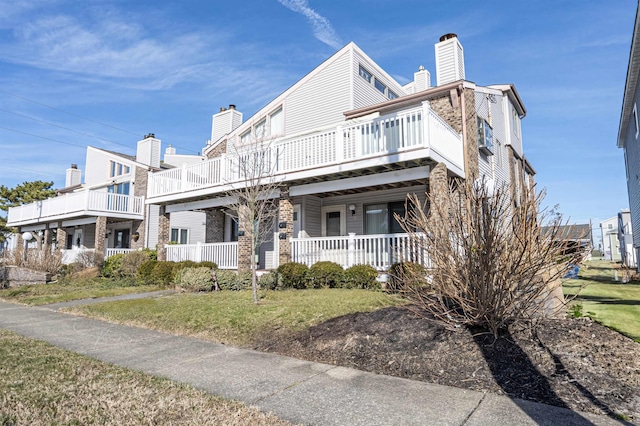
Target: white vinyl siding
364,91
152,226
193,221
322,99
490,107
632,159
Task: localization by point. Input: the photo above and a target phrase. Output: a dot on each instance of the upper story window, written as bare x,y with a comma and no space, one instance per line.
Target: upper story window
276,122
377,83
515,122
118,169
365,74
260,129
271,125
121,188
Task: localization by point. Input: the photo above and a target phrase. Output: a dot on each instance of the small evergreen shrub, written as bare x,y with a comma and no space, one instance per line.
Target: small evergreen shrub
269,281
226,279
325,274
405,274
163,273
194,279
293,275
208,264
145,271
243,280
112,266
361,276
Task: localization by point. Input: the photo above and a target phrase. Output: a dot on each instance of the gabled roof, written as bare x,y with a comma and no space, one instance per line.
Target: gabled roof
119,154
633,71
571,232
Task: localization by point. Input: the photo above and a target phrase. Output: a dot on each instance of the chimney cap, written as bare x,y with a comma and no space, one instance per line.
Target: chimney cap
150,135
74,166
222,109
232,106
421,68
448,36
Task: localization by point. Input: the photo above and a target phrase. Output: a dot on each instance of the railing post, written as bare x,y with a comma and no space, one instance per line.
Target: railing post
339,144
198,253
426,134
223,168
351,250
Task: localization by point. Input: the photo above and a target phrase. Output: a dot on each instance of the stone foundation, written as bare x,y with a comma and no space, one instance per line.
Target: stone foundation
13,276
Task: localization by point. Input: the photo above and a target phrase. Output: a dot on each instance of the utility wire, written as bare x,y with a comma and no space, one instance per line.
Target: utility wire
84,118
62,127
42,137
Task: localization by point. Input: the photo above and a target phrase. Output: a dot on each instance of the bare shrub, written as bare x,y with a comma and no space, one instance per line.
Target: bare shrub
494,259
90,259
37,260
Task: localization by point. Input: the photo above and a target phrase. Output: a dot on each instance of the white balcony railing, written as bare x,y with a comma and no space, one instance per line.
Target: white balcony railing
108,252
68,205
379,251
225,255
350,142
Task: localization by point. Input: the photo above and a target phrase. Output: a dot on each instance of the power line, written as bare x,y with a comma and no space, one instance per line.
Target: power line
84,118
42,137
70,113
62,127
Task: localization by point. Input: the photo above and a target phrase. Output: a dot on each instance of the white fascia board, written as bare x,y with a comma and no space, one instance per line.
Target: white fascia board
209,203
78,222
40,227
360,181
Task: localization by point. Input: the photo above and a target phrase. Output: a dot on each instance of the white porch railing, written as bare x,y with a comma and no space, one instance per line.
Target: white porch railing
75,254
225,255
349,142
84,202
108,252
379,251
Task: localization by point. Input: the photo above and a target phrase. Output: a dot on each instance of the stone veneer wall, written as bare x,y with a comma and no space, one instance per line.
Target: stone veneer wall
285,214
220,149
140,190
101,230
164,230
13,276
214,229
245,249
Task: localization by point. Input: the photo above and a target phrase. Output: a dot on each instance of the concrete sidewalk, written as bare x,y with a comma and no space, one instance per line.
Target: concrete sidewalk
295,390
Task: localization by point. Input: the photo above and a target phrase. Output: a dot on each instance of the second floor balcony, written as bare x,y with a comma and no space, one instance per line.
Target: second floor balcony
77,204
411,134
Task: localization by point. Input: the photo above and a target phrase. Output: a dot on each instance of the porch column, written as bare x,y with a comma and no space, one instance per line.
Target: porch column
214,228
61,237
19,244
285,216
137,227
245,249
101,230
47,239
438,190
164,229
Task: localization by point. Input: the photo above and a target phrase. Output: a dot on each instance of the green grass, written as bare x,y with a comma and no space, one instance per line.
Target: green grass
44,385
66,290
610,302
231,316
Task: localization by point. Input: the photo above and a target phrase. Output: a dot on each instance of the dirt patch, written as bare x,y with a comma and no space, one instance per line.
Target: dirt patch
572,363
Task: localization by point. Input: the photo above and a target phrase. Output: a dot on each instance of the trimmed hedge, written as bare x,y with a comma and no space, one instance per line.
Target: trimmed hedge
361,276
293,275
325,274
195,279
404,274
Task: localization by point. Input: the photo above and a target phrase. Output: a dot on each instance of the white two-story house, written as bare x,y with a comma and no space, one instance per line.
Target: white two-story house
347,144
106,212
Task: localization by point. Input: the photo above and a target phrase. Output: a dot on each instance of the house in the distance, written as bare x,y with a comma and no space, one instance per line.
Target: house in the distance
346,143
106,213
610,242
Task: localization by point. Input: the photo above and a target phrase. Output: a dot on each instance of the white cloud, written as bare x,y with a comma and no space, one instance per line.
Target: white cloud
322,29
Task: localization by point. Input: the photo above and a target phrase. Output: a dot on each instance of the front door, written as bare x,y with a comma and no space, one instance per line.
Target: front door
333,221
121,238
77,238
296,220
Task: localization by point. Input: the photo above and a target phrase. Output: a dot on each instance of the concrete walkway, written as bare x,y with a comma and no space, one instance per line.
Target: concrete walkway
295,390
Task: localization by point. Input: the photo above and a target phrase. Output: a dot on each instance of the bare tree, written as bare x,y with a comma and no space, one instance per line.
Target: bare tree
254,196
496,259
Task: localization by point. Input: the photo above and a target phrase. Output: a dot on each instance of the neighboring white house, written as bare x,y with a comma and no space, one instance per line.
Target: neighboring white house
610,242
625,239
106,213
629,133
347,143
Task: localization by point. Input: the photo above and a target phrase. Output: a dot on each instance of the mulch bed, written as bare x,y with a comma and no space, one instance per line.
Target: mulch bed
572,363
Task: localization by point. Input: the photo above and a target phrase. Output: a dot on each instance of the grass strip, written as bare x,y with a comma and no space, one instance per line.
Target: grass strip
42,385
231,317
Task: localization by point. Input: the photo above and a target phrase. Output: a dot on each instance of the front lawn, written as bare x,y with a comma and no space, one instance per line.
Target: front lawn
73,289
231,317
607,300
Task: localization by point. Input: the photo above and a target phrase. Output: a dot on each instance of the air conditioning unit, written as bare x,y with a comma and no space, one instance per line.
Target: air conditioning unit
485,137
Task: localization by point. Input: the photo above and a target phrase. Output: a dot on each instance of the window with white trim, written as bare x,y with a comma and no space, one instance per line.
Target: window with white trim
180,235
118,169
276,123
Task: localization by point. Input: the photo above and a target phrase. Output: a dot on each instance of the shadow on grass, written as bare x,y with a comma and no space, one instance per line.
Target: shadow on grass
608,300
518,377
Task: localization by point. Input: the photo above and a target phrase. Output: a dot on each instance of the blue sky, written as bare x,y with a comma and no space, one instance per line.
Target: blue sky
105,73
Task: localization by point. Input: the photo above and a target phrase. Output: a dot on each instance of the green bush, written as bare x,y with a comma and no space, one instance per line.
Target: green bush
293,275
163,273
325,274
208,264
244,280
361,276
151,254
131,262
145,271
112,266
405,274
226,279
269,281
194,279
